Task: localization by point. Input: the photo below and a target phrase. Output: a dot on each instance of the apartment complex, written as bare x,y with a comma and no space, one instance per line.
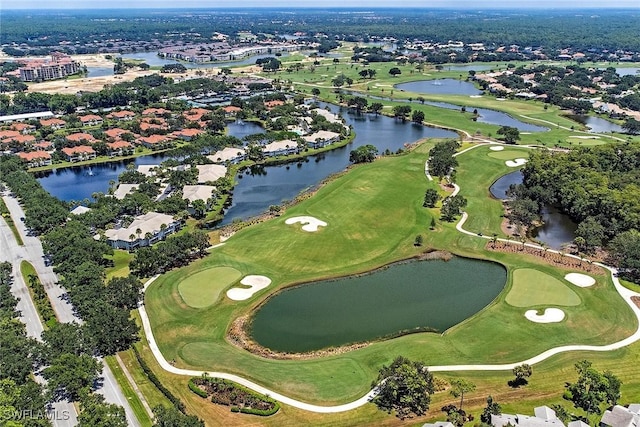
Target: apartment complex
58,67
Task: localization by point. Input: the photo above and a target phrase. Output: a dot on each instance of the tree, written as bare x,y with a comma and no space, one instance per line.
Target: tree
97,413
395,71
509,134
376,107
624,253
315,91
171,417
71,376
363,154
459,387
492,408
521,372
431,197
199,208
451,207
417,116
401,112
592,232
593,388
632,126
405,387
418,240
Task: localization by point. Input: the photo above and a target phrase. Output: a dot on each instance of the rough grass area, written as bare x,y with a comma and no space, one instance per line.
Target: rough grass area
203,288
532,287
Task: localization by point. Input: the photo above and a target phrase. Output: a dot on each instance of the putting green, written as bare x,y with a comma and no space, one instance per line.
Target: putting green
203,288
532,287
508,154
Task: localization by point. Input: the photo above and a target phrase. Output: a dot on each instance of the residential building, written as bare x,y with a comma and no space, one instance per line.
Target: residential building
619,416
119,148
116,133
122,116
187,134
81,138
156,112
210,173
281,148
79,210
145,230
35,159
231,111
321,138
11,118
53,123
58,67
79,153
197,192
195,114
23,128
91,120
228,154
544,416
124,189
154,141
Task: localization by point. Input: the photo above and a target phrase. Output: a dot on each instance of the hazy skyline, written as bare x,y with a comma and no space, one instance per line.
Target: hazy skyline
205,4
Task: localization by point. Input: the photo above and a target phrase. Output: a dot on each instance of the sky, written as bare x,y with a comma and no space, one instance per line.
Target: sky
201,4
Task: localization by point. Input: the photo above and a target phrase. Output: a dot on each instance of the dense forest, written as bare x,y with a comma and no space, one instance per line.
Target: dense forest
611,30
599,188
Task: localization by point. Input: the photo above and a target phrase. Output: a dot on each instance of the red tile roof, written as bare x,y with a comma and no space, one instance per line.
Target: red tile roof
52,122
78,137
33,155
70,151
90,118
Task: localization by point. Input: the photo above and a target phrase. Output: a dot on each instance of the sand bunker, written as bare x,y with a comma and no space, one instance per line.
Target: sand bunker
310,223
550,315
584,137
496,148
256,283
515,163
581,280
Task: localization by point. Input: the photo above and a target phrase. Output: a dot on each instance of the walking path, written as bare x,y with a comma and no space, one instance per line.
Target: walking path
625,293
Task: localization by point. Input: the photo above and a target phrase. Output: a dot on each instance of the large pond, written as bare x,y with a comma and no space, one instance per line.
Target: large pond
597,124
403,298
557,230
470,67
440,87
154,60
493,117
258,188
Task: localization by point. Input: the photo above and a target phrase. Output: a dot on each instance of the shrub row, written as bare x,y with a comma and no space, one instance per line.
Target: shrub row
177,403
41,301
197,390
275,406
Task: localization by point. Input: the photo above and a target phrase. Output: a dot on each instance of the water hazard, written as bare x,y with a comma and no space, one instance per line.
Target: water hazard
403,298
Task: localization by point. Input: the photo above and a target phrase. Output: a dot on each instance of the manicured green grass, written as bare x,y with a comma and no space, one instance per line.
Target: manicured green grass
4,211
203,288
509,154
372,223
131,396
630,285
121,260
38,295
532,287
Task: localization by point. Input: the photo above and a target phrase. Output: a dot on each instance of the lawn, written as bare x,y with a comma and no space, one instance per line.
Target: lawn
4,211
532,287
120,268
135,402
371,223
203,288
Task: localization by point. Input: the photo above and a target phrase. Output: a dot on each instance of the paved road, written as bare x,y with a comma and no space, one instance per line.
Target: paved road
625,293
62,414
32,252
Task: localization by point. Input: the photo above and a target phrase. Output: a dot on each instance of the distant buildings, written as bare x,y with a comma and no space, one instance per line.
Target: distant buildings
58,67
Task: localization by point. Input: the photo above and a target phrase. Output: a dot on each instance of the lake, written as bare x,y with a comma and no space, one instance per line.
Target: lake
440,87
259,188
406,297
597,124
558,228
154,60
493,117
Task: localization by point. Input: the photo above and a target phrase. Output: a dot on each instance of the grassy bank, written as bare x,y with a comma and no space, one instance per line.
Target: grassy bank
4,211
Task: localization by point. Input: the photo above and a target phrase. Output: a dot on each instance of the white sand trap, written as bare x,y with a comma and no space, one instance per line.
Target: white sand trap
257,283
580,279
310,223
496,148
515,163
475,96
584,137
550,315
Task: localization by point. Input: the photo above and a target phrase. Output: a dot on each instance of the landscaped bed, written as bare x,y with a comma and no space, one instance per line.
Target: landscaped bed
228,393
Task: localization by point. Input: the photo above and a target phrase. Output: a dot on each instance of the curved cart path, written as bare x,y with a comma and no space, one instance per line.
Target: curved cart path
625,293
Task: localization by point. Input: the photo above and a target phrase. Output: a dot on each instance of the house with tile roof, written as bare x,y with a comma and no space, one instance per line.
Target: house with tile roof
79,153
35,159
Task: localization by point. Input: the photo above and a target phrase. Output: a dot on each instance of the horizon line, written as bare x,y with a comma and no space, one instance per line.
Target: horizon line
481,8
